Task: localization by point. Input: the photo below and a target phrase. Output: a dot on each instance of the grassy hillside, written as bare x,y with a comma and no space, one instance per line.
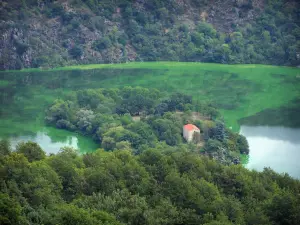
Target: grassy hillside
53,33
238,90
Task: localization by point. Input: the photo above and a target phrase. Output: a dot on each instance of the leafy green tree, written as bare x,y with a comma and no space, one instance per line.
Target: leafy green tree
11,211
42,186
67,165
89,98
167,131
14,167
108,143
242,144
206,29
102,44
284,209
76,52
218,132
31,150
60,110
144,130
99,180
256,216
125,145
162,185
5,148
70,214
137,104
164,213
161,108
212,145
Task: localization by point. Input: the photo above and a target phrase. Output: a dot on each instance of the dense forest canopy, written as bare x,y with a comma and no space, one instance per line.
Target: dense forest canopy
162,185
48,33
140,118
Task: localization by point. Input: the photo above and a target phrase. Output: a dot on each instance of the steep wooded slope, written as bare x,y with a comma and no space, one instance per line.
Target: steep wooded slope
48,33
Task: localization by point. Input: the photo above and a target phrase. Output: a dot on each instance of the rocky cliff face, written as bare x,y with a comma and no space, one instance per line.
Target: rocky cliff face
47,33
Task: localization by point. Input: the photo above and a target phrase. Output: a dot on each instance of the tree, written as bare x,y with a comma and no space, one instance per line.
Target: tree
108,143
242,144
11,211
207,29
67,165
167,131
284,209
212,145
198,39
162,185
70,214
123,145
31,150
42,186
84,118
76,52
102,44
137,104
5,148
177,101
60,110
218,131
144,130
161,108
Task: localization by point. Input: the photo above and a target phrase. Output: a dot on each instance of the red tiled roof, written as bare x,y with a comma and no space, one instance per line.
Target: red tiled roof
190,127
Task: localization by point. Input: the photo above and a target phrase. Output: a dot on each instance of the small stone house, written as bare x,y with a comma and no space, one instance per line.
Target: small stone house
188,131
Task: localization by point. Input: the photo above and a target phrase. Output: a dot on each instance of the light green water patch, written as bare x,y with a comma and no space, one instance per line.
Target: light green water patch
239,90
52,140
4,83
157,65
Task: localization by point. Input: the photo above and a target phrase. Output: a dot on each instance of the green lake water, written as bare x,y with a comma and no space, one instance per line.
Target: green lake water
52,140
240,92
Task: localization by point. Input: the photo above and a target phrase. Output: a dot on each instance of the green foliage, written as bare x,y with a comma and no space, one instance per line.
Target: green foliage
71,214
199,2
21,47
31,150
212,145
90,113
67,165
53,9
102,44
155,32
5,148
76,52
242,144
159,186
11,211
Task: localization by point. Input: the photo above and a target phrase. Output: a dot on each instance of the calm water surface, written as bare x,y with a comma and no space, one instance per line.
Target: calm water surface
274,147
52,140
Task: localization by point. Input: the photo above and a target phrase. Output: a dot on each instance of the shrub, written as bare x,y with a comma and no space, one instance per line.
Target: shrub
76,52
102,44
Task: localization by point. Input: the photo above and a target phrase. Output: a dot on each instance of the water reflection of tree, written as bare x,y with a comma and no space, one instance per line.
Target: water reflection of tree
57,135
85,144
